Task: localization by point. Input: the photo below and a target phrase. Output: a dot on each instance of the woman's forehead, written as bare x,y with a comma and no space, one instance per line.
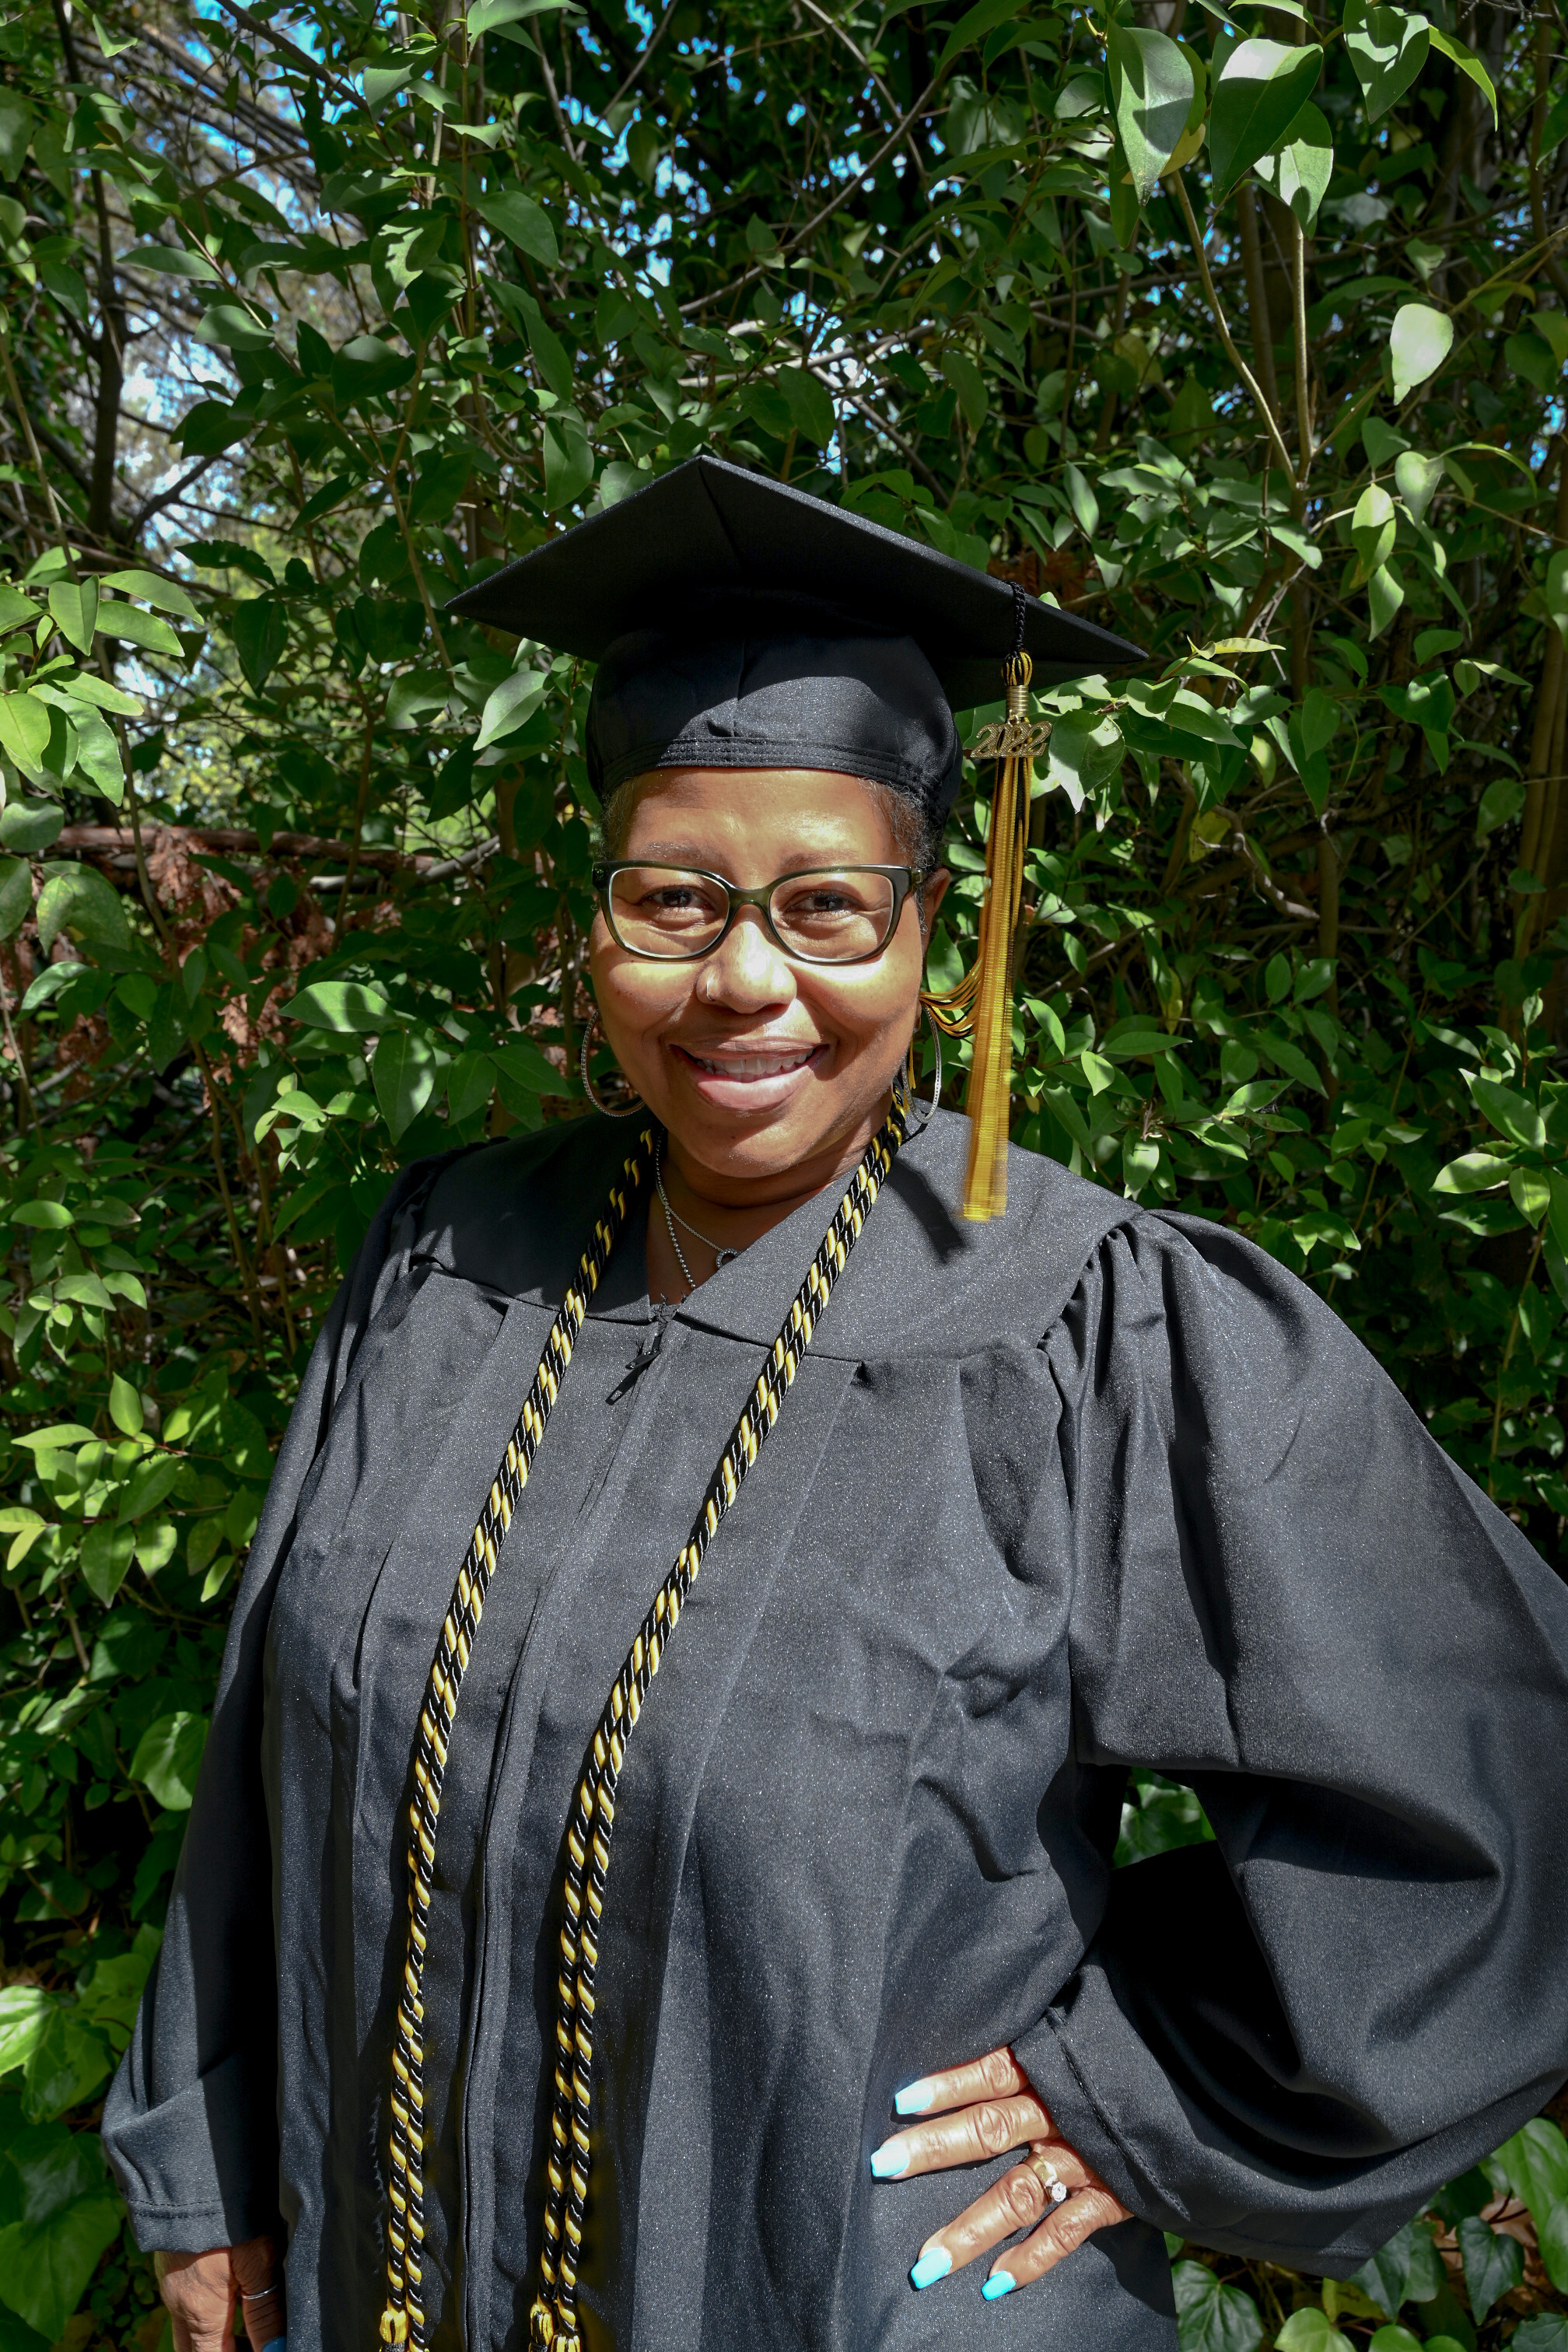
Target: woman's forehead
679,811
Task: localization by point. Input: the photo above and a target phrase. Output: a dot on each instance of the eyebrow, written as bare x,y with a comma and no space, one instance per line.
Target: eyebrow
685,853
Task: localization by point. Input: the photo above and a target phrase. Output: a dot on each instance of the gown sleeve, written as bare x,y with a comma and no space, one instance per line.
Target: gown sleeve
1289,1596
190,2123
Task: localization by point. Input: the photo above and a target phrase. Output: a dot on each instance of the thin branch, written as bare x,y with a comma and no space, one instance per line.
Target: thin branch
792,244
1174,181
645,52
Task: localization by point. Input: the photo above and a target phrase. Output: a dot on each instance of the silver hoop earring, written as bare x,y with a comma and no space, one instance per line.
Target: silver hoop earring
912,1101
629,1110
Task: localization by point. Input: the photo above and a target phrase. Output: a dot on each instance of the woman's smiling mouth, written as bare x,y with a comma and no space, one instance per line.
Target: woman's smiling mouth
754,1064
747,1078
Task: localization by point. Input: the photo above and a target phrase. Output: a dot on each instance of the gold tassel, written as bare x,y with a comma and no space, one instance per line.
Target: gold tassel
981,1003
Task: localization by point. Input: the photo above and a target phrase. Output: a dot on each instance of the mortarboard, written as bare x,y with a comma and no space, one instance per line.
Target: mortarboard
739,623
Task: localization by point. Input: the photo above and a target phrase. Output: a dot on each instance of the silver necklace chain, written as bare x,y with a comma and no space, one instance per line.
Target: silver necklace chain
672,1218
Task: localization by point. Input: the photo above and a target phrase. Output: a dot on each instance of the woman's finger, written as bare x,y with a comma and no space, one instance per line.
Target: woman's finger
1017,2201
199,2291
257,2270
1059,2234
997,2075
967,2136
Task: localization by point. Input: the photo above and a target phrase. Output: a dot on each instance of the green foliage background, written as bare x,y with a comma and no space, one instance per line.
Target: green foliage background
1243,333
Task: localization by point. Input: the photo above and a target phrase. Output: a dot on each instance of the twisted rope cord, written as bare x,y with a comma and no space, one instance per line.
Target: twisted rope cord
553,2321
403,2319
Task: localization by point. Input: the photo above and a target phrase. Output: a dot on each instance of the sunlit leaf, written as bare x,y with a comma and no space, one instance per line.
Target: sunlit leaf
1419,343
1387,49
1261,89
1152,87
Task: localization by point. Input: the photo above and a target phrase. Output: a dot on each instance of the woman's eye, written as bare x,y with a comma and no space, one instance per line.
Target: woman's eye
823,899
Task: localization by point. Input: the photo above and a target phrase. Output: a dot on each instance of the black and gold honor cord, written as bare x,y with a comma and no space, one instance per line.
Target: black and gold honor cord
403,2321
554,2317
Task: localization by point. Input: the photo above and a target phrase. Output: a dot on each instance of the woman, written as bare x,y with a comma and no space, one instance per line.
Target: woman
790,1999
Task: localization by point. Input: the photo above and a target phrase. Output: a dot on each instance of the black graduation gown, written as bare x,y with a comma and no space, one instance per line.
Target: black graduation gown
1087,1487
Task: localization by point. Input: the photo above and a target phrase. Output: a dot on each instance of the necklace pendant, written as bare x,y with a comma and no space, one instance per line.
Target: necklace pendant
723,1259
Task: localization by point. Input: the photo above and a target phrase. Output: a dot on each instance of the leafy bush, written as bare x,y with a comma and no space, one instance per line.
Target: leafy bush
1245,338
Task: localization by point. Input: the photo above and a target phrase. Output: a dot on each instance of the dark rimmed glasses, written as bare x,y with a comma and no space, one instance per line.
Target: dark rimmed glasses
830,914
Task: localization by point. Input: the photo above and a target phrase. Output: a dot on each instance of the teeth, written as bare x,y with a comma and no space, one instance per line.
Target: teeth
754,1065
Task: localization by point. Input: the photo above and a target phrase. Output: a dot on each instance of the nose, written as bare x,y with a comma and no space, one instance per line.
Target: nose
746,972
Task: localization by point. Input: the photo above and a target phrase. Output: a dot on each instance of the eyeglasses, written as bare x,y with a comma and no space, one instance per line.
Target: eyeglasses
677,914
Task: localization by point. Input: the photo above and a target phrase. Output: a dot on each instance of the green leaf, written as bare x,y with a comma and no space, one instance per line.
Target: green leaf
1373,527
152,1481
510,706
259,628
85,688
173,262
1387,50
46,1216
568,459
82,903
15,895
16,611
133,626
1384,594
107,1549
973,26
491,16
342,1004
1467,63
24,728
1494,2263
1407,2269
1473,1172
550,352
1544,2331
16,122
168,1756
67,2063
404,1076
1416,479
24,2012
1312,2330
1536,2159
1214,2318
229,326
1419,342
522,222
1515,1115
523,1064
54,1438
1152,90
469,1083
367,368
1085,752
153,588
45,2267
1081,498
30,826
1499,805
1299,171
1262,88
967,381
811,408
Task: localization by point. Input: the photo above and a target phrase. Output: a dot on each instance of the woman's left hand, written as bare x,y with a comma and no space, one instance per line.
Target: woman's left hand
981,2110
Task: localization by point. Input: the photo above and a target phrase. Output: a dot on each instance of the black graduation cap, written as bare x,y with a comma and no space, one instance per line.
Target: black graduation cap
738,622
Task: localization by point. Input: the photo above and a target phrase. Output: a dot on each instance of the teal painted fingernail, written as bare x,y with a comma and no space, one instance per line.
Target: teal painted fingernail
913,2099
934,2264
890,2160
999,2284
